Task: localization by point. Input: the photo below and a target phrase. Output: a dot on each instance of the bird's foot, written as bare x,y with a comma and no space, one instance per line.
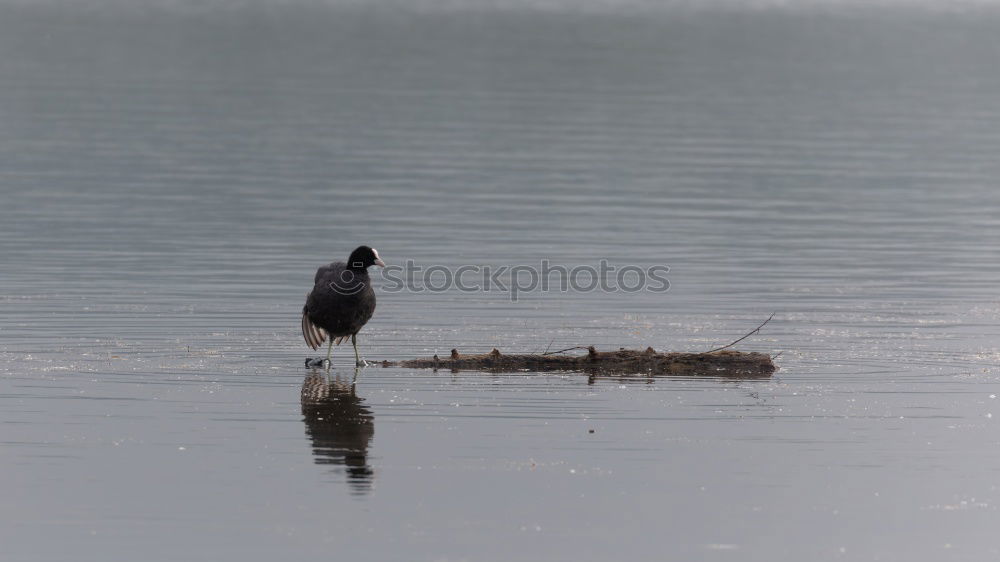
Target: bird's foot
315,361
361,363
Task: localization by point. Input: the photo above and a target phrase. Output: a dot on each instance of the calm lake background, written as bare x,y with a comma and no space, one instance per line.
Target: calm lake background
171,175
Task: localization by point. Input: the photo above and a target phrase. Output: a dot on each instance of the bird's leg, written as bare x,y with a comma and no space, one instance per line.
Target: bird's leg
328,352
357,358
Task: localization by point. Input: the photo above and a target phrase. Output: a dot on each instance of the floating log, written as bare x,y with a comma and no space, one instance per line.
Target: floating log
725,363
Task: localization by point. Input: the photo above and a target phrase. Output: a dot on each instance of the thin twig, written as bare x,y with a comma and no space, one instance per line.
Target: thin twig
548,346
752,332
567,349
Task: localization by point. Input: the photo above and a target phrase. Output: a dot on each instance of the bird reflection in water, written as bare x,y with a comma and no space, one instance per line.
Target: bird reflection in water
340,426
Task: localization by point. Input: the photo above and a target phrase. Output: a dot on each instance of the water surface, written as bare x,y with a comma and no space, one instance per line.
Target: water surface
170,180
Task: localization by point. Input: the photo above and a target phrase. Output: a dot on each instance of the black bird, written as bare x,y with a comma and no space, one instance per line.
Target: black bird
341,302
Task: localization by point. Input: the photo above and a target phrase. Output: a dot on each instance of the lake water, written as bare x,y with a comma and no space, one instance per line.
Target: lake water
171,177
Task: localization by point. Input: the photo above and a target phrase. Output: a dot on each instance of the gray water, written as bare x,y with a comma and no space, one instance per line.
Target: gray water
170,179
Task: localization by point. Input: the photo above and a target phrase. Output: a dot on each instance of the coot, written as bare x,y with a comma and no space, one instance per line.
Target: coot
341,302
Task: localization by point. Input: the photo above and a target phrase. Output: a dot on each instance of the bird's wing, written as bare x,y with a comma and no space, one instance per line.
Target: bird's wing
324,270
313,334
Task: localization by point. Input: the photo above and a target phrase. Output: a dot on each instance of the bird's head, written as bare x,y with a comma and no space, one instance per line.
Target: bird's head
364,257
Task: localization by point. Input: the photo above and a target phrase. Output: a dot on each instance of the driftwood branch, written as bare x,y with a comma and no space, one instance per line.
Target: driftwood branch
622,362
717,362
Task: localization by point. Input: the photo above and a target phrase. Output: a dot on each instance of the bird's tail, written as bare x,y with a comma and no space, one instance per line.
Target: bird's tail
313,334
